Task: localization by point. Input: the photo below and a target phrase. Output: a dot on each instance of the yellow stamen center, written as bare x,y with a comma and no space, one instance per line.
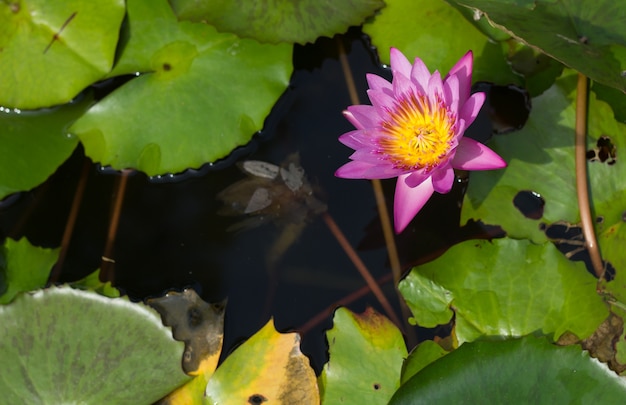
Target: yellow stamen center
418,134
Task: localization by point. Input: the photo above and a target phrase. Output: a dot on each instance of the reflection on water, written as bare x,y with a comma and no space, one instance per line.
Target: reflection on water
272,194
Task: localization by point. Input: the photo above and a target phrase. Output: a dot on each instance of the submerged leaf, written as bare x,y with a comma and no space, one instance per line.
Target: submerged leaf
202,94
53,50
366,355
201,326
62,345
298,21
267,367
504,287
525,371
24,268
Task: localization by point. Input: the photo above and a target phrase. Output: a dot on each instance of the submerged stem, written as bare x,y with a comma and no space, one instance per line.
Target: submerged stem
107,266
581,176
358,263
71,221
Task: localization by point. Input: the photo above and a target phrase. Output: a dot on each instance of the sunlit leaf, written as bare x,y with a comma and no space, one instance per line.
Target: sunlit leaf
504,287
201,326
366,355
35,143
63,345
424,354
589,36
298,21
24,268
540,159
438,34
521,371
267,367
202,94
53,50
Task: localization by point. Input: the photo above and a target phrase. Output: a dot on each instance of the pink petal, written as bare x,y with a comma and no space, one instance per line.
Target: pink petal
399,63
357,139
473,155
362,116
463,70
408,201
420,75
364,170
443,180
451,93
401,86
435,85
471,108
381,101
376,82
414,179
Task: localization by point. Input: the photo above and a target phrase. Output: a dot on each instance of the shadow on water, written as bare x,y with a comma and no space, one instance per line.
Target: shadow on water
170,235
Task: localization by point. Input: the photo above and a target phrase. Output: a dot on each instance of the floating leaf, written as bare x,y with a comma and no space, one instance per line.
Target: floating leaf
34,144
525,371
92,282
71,346
587,36
298,21
366,355
201,326
540,159
424,354
55,49
504,287
203,94
25,268
267,367
438,34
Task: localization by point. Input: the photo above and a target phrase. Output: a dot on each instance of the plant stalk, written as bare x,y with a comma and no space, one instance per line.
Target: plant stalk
581,175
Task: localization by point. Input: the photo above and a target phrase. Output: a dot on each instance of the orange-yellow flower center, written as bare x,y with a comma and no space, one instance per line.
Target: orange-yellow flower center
418,134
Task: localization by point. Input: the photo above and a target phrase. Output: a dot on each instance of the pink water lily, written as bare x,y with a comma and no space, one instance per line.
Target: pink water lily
414,131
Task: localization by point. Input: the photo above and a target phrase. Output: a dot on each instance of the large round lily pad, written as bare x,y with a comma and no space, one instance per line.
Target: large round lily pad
63,345
54,49
520,371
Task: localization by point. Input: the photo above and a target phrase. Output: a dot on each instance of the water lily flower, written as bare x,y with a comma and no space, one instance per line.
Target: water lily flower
414,131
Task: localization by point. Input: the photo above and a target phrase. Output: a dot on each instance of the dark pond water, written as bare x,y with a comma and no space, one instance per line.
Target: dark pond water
170,234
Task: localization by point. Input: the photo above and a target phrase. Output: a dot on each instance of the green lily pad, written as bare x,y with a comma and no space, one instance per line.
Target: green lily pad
440,35
540,159
55,49
279,20
24,268
92,283
587,36
521,371
35,144
366,355
71,346
204,93
425,353
504,287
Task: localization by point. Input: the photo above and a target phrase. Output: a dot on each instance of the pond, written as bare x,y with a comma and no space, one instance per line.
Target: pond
170,233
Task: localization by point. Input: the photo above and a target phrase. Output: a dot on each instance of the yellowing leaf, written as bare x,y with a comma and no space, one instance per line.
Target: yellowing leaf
201,326
366,355
269,367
